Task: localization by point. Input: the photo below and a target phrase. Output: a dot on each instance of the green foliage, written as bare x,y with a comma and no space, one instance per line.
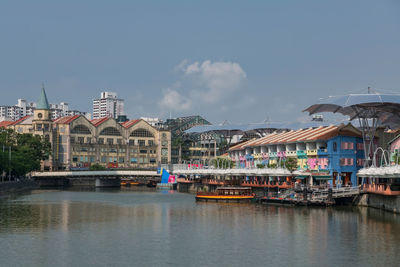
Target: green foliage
21,153
291,164
97,167
260,166
223,163
272,165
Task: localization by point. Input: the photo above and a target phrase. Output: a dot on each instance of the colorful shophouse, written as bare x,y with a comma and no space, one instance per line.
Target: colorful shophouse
335,151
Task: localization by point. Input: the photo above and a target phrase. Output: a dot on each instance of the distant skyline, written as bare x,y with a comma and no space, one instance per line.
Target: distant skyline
236,61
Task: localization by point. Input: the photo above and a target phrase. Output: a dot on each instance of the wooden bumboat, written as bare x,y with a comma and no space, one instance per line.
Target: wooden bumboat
128,183
227,194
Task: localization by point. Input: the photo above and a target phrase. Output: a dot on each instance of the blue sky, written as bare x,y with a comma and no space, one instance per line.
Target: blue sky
240,61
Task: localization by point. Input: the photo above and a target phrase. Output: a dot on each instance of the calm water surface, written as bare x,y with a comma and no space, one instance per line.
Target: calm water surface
137,227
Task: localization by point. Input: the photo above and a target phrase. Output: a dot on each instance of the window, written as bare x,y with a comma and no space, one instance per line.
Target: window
164,160
131,142
152,161
121,160
360,146
84,149
150,142
143,151
141,142
80,129
133,160
88,140
74,159
164,152
92,159
113,150
133,151
334,147
141,133
346,162
72,140
110,141
103,159
110,131
119,141
164,143
347,145
81,140
101,141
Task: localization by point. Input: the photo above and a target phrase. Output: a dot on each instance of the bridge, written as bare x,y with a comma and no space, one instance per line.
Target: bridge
93,178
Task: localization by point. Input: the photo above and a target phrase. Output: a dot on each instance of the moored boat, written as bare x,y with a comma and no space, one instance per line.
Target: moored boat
227,194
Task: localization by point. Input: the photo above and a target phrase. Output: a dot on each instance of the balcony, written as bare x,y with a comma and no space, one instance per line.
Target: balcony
322,152
301,154
311,152
291,154
257,155
273,154
281,154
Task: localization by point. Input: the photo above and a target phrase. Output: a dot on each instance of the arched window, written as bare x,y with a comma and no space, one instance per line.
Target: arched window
141,133
110,131
80,129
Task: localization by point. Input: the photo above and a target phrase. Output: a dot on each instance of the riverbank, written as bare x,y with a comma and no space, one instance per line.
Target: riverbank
17,186
387,203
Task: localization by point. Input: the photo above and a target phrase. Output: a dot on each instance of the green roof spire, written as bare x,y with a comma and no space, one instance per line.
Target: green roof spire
42,103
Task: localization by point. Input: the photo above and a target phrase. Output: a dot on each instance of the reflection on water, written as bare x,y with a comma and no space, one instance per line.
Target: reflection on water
146,227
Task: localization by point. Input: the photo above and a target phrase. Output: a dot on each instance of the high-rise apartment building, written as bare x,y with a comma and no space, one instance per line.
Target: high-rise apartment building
108,106
24,108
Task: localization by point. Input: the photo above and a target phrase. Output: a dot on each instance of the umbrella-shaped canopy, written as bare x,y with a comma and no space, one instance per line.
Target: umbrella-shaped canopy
371,110
372,105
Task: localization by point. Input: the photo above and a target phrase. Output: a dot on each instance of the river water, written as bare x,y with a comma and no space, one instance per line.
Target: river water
144,227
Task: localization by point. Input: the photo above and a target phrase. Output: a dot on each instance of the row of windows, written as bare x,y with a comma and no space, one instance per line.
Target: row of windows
105,159
350,162
111,131
348,145
109,141
113,150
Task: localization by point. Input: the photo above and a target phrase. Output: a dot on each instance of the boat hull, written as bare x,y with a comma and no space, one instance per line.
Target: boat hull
225,198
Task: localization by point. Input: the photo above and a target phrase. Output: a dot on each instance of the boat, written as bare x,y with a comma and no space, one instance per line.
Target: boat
128,183
227,194
151,183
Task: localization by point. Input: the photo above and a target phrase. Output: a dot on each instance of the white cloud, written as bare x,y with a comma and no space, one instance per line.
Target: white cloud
173,100
205,88
213,81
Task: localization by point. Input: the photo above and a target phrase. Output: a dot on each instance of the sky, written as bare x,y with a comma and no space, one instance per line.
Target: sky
233,61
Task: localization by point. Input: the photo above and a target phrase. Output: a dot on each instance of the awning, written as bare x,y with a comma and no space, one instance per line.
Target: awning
301,177
322,177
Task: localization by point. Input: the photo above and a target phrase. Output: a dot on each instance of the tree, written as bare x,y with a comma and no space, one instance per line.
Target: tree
223,163
260,166
97,167
21,153
272,165
291,164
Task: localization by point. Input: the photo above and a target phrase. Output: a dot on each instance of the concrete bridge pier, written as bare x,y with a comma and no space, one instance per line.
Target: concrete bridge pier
107,182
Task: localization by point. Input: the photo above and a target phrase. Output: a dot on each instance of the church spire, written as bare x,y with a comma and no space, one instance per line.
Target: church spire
42,103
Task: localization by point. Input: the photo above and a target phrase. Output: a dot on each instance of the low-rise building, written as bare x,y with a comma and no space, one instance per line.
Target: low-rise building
78,142
337,150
